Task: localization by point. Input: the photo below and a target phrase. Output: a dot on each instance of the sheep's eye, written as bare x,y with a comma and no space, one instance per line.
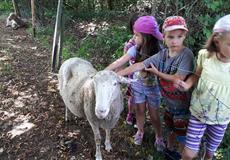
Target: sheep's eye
114,83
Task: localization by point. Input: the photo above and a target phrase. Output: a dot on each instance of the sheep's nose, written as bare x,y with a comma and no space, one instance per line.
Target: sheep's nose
101,111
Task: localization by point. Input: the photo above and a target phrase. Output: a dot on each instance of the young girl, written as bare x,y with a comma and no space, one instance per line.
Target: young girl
146,89
130,118
210,104
172,62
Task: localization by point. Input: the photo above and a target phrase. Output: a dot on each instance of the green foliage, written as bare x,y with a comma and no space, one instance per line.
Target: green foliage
6,7
66,53
44,35
83,51
102,15
214,5
106,45
50,14
199,15
2,87
223,152
5,68
99,5
201,18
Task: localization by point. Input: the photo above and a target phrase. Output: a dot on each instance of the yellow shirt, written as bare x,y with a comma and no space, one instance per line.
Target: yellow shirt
210,101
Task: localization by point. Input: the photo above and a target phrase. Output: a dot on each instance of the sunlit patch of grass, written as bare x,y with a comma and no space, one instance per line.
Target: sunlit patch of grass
5,65
21,122
2,87
5,68
20,129
43,34
223,152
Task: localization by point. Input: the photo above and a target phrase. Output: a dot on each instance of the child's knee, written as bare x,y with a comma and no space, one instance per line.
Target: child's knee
140,109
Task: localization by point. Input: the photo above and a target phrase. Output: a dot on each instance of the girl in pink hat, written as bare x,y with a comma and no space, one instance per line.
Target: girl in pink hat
146,89
130,118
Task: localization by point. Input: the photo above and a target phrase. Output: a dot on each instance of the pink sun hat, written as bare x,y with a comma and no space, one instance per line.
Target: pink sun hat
148,25
173,23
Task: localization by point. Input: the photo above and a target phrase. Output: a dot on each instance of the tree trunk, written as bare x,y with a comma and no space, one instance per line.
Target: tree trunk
101,4
16,9
110,4
33,17
40,12
57,40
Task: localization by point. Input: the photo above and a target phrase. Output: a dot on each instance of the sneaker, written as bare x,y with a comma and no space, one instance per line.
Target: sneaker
171,155
130,118
159,144
138,138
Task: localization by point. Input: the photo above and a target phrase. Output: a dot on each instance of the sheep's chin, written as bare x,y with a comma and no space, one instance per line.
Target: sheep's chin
102,116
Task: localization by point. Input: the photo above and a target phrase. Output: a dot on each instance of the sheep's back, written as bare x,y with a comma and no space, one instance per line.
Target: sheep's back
72,76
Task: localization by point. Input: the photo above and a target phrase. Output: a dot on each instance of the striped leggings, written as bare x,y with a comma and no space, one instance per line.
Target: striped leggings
196,130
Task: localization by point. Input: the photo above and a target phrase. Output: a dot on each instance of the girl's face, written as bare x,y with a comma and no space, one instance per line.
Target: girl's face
138,38
224,47
174,39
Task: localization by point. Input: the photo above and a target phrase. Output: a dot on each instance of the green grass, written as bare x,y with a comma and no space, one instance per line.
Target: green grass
6,7
2,87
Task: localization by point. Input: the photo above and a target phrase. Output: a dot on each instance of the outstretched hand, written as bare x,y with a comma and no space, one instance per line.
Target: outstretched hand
152,69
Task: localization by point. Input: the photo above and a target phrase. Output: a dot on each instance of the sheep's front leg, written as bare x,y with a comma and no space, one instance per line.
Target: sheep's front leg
97,138
108,146
68,115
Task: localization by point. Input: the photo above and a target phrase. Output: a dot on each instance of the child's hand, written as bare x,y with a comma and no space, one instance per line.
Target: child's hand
181,85
152,69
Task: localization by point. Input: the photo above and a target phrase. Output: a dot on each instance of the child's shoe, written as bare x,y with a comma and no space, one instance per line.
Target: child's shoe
159,144
138,138
130,118
171,155
135,126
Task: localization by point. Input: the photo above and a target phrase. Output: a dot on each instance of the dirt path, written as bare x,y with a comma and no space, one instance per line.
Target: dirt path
32,113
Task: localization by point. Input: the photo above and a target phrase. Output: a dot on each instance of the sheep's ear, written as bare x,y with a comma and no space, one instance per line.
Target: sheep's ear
122,79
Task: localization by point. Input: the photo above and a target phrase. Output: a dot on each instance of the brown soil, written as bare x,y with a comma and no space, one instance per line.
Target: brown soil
32,122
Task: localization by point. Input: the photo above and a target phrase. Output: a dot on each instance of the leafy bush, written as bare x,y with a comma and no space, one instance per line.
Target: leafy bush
105,45
6,7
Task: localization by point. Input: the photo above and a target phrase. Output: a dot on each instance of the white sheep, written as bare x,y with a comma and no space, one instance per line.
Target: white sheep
14,21
91,94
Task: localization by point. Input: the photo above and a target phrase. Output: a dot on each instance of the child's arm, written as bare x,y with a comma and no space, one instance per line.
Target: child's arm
178,80
118,63
192,79
133,68
168,77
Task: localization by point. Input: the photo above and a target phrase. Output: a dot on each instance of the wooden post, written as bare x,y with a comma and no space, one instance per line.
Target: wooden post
33,18
16,9
60,43
57,40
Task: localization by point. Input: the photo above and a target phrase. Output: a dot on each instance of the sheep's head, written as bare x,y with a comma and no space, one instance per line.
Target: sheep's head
107,89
